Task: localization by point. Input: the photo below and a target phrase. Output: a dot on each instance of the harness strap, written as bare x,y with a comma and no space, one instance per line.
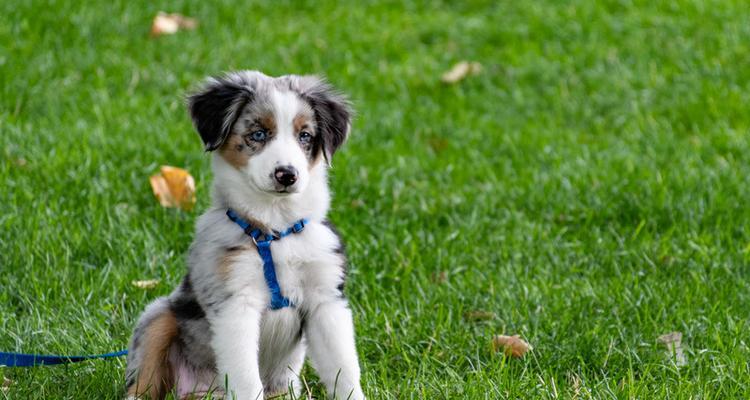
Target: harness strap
32,360
269,272
263,244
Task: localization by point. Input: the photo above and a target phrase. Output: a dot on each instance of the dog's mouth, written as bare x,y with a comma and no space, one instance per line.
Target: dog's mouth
285,190
282,191
274,189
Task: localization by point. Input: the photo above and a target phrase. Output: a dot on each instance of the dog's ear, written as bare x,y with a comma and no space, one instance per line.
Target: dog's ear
333,113
216,107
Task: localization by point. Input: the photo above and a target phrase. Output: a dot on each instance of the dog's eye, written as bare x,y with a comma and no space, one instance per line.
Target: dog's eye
305,137
259,135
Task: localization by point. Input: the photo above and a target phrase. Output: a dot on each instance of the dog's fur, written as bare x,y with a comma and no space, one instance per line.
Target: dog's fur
215,332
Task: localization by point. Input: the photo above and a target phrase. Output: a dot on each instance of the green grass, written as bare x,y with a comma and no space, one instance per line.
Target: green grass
589,186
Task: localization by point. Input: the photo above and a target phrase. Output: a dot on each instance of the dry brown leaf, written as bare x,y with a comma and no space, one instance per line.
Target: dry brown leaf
438,144
479,315
461,71
6,384
169,24
673,342
513,346
146,284
174,187
439,277
575,382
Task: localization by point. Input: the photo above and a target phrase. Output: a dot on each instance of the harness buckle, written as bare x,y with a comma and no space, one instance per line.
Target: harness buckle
299,226
262,243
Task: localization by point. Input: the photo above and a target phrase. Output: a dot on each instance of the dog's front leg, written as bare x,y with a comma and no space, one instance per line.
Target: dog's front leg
236,333
330,337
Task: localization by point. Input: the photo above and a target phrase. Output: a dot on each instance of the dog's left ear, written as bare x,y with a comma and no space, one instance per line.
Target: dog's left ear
216,107
333,113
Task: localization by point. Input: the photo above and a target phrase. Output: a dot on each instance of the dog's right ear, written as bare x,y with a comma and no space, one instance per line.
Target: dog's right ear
216,107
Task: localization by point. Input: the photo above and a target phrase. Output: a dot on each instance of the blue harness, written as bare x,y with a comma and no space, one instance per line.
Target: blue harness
263,244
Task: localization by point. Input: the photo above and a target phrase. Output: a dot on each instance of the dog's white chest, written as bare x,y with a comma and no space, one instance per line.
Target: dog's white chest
308,264
305,264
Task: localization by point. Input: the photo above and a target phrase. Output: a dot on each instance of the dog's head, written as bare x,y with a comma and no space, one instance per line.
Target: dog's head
272,130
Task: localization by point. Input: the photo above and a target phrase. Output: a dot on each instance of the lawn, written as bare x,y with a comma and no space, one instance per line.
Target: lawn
588,187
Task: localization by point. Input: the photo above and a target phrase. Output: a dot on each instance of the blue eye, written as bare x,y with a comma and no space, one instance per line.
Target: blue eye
258,136
305,137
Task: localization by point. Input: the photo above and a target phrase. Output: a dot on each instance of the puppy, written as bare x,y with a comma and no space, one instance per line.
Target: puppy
232,327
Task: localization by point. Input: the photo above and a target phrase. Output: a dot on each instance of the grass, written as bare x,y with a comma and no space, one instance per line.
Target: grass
589,186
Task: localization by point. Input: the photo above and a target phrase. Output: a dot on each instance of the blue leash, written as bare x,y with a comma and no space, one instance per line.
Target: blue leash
263,243
32,360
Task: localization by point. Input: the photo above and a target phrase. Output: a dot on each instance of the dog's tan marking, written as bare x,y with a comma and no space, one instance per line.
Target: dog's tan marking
224,269
302,121
238,149
155,377
268,122
235,151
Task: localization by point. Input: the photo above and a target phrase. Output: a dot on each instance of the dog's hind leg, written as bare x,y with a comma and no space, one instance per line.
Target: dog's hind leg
149,373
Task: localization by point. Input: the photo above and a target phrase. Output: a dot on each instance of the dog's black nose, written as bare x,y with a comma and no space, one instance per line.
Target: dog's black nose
286,175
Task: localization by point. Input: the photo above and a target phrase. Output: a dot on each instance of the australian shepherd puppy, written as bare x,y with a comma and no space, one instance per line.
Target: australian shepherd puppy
271,141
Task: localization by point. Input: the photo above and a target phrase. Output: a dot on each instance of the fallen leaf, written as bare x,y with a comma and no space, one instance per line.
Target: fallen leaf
439,277
575,382
461,71
146,284
673,342
6,384
437,144
513,346
479,315
174,187
169,24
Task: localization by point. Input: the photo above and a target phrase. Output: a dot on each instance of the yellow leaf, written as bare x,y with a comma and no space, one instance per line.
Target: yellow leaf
513,346
169,24
461,71
146,284
673,342
174,187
